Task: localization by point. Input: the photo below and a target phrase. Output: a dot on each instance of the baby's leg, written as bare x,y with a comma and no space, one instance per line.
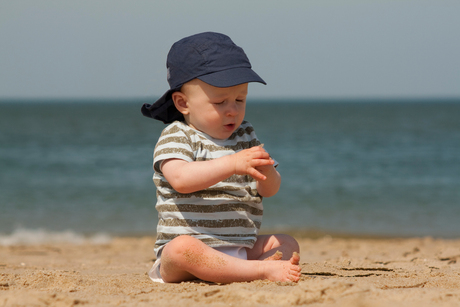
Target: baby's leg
186,258
267,246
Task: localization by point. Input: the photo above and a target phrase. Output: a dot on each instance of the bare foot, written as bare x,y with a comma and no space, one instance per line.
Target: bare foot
276,256
277,270
295,258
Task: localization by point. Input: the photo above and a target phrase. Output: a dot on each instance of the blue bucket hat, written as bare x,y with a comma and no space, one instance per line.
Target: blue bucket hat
211,57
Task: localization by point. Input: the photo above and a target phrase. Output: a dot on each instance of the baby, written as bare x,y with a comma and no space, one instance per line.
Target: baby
211,172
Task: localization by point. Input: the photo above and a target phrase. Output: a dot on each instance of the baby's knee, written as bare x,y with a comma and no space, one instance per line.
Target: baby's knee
180,245
291,242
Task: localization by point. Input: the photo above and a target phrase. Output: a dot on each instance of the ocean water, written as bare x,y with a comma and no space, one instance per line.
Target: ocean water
72,169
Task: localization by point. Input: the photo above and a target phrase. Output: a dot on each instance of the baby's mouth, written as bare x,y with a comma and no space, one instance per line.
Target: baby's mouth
230,126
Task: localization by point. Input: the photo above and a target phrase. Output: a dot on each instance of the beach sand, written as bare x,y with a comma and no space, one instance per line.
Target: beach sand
335,272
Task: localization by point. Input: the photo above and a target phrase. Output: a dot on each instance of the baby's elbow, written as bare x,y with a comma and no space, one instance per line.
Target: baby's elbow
267,193
180,187
175,175
183,186
184,190
178,183
268,190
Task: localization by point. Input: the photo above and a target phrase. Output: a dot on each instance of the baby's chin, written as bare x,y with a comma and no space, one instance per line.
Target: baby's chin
222,133
226,133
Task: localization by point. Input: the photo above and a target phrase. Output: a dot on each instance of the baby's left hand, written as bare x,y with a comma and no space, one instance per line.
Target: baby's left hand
265,169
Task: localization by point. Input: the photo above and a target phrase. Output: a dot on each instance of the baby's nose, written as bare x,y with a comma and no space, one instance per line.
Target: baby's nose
232,109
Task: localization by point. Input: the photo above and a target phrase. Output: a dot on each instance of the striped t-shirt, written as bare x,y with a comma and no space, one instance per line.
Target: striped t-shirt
228,213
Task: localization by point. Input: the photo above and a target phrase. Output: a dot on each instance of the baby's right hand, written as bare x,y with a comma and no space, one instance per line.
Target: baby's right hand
247,160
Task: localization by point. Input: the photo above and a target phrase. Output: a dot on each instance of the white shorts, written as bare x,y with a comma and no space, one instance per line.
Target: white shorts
234,251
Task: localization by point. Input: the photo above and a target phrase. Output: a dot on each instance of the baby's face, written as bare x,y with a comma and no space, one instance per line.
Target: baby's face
216,111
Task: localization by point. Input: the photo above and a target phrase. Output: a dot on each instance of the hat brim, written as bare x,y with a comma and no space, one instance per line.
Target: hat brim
231,77
163,109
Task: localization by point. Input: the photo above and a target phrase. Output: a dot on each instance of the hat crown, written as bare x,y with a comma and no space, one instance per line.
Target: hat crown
203,54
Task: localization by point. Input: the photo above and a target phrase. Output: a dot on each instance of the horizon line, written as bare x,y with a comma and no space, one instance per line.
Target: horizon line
68,99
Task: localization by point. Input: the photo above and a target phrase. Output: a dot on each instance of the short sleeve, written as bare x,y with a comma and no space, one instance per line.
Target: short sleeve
173,143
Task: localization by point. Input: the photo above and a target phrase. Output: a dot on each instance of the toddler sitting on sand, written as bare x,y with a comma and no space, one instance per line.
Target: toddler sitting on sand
211,172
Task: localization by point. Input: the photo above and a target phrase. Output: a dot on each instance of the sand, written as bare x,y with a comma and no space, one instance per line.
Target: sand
335,272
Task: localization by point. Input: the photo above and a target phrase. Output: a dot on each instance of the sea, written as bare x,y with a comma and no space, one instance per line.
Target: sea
79,170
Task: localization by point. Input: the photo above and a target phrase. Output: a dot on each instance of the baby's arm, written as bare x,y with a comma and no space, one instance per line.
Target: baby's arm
188,177
271,184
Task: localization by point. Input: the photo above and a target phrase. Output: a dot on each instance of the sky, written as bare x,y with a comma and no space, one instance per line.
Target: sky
301,48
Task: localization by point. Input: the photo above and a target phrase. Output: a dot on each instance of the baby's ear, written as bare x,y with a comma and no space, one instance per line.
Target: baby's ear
180,101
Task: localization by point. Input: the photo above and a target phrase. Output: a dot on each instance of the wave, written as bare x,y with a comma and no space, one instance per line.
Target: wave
22,236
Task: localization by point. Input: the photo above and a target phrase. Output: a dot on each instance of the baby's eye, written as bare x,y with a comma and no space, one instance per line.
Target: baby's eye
219,102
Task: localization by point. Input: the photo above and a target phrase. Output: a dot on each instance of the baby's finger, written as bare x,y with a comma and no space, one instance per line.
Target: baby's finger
256,174
258,149
262,162
261,155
